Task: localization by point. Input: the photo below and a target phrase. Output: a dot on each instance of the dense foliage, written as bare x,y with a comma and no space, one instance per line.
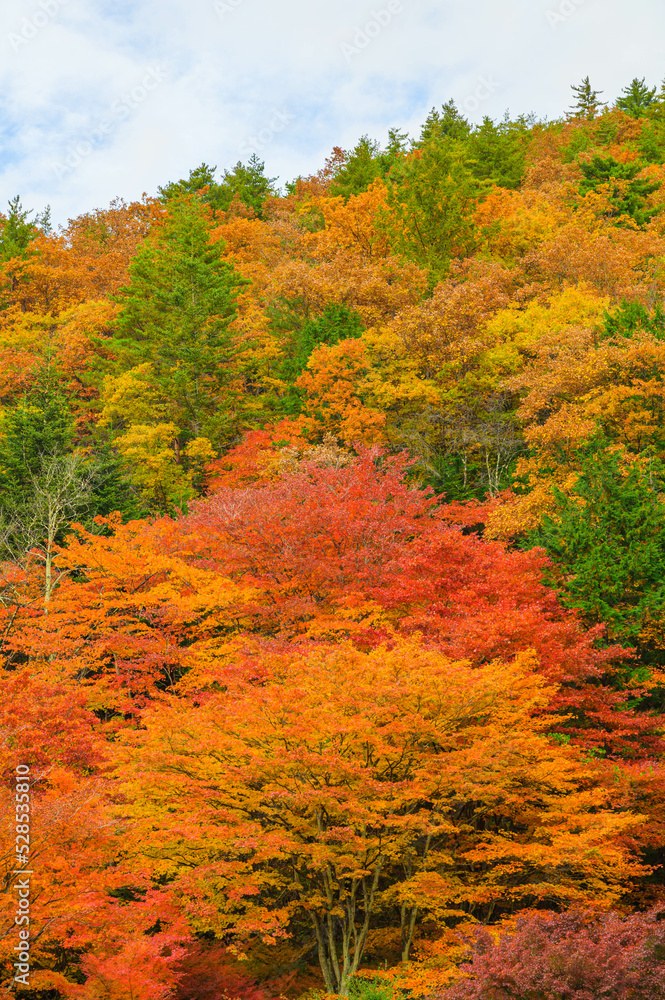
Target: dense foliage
332,601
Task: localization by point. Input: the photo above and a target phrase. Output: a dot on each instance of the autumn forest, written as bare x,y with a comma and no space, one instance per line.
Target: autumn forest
332,574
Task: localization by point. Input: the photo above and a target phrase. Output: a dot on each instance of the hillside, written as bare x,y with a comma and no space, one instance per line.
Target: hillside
333,573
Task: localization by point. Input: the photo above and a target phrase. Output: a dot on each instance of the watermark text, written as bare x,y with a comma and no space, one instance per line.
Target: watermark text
22,873
365,33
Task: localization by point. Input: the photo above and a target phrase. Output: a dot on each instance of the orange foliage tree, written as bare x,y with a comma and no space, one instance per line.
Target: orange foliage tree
344,789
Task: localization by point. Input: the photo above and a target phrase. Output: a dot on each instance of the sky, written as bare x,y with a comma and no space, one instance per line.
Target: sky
111,98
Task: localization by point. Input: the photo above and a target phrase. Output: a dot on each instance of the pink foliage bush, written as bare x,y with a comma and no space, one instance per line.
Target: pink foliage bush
569,956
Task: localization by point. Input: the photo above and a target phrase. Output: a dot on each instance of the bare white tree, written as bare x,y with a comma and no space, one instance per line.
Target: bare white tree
56,494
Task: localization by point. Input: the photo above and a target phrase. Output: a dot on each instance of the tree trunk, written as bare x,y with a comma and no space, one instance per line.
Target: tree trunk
341,944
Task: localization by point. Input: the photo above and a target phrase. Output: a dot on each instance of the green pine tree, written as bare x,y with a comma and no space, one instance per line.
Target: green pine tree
651,144
17,230
628,192
498,151
199,179
362,166
366,162
247,182
176,313
40,424
607,540
632,317
397,145
587,104
446,124
637,99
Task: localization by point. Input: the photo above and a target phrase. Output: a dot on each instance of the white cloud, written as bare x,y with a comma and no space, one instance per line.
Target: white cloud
74,72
